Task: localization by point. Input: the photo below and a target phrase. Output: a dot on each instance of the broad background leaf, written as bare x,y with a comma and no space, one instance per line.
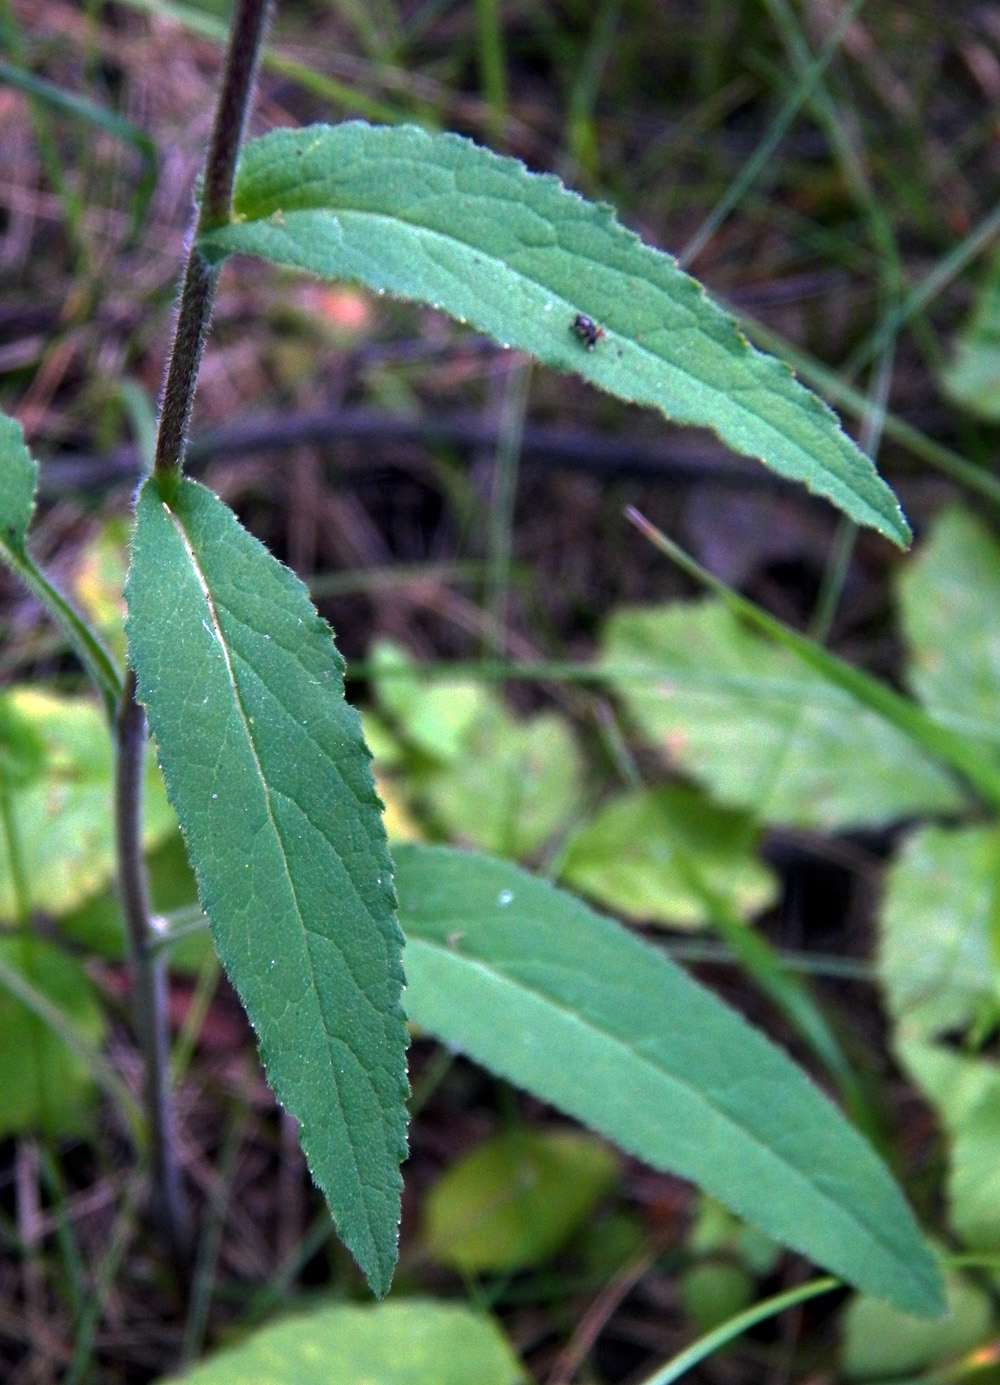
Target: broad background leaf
265,764
516,1199
972,377
528,981
441,220
949,597
758,727
881,1343
416,1342
935,958
63,813
656,854
46,1086
966,1093
482,775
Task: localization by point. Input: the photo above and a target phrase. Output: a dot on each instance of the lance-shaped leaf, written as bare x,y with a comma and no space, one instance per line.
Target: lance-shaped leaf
266,767
438,219
534,985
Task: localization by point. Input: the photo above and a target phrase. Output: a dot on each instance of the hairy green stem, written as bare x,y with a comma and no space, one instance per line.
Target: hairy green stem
198,289
149,979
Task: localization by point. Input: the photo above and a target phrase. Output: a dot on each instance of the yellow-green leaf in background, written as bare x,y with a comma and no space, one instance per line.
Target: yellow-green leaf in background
935,957
654,854
516,1199
63,814
45,1086
881,1343
405,1342
758,726
972,377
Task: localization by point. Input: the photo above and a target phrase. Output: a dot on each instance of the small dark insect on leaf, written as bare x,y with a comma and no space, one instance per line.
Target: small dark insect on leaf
587,330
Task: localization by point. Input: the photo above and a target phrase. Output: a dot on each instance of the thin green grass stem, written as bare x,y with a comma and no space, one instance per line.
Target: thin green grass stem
735,1327
845,538
89,1320
500,520
846,396
779,127
492,65
86,645
580,136
947,269
69,1246
207,1253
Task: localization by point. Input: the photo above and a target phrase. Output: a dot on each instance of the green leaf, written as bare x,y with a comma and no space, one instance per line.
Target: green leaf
531,983
881,1342
515,784
415,1342
18,476
435,717
46,1086
935,957
763,730
949,596
965,1091
484,776
972,378
714,1292
651,855
268,772
516,1199
438,219
62,814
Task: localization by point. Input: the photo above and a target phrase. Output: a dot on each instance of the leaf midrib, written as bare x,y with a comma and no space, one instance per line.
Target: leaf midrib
220,639
740,411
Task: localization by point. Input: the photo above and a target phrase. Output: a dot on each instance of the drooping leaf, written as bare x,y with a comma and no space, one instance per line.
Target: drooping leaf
949,596
516,1199
63,813
440,220
651,855
935,957
18,476
531,983
410,1342
46,1086
268,772
881,1343
761,729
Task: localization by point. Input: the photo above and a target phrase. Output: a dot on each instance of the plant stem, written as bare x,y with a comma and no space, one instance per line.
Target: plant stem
149,990
246,33
194,312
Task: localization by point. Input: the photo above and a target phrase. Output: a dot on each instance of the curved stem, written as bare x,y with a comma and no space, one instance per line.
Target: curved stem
735,1327
149,990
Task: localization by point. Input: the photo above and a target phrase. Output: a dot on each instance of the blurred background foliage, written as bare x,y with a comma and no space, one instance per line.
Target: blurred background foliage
832,174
